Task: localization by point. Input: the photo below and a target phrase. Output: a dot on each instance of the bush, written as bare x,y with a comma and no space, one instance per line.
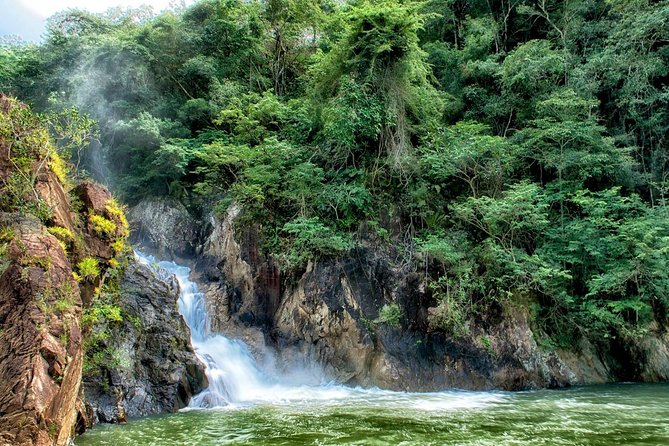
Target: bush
89,269
116,213
311,238
62,234
390,314
101,225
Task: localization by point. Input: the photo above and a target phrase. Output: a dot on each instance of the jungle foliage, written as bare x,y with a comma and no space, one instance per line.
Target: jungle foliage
506,148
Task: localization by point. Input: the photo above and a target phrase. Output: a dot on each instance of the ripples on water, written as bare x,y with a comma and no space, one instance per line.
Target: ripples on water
263,411
606,416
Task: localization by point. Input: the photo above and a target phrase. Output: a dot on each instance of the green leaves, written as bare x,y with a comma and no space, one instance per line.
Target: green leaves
472,155
569,144
518,148
376,75
312,238
614,246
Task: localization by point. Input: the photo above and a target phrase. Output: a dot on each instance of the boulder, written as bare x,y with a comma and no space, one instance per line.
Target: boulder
165,227
158,371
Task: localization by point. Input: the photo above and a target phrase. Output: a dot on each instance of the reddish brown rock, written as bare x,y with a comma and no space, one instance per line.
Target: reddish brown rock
97,200
51,191
94,196
41,346
40,361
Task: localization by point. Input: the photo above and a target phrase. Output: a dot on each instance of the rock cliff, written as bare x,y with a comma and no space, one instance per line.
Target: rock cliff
61,247
158,372
330,315
164,226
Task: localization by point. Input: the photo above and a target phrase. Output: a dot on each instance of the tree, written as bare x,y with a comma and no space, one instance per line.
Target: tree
470,154
378,62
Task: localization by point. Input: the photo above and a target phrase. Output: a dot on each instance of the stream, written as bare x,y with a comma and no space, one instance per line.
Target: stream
247,405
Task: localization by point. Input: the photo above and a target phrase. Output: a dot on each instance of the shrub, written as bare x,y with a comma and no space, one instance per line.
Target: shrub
313,239
390,314
101,225
88,268
59,168
115,212
62,234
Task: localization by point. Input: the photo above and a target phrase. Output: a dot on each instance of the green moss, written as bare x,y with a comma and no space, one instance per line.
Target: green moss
60,168
52,428
487,345
62,234
6,234
66,297
101,312
118,246
42,262
116,213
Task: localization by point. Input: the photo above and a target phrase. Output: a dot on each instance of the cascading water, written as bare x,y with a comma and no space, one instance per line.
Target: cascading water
231,371
235,379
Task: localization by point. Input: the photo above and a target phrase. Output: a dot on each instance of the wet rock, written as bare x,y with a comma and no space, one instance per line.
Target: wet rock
158,371
242,286
654,349
165,227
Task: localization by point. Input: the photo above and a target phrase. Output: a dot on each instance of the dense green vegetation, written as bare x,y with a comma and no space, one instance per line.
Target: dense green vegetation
508,148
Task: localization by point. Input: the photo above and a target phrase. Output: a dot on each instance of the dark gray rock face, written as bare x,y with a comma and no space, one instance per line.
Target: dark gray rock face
165,227
330,316
157,370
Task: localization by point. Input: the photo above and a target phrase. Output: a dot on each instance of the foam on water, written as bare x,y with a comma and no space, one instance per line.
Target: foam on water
235,380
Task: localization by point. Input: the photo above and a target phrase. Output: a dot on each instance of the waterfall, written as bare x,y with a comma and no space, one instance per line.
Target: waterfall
231,370
235,379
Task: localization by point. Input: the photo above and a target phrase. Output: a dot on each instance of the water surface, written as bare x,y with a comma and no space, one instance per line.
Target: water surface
607,416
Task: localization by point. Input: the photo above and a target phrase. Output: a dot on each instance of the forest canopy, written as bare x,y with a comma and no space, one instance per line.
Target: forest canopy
504,148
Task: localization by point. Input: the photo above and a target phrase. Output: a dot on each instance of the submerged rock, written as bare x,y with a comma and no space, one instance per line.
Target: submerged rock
157,371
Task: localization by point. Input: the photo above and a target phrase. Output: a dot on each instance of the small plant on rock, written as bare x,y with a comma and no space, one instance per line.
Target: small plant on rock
88,268
390,314
101,225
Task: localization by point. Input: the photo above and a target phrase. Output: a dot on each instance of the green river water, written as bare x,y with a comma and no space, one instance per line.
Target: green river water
625,414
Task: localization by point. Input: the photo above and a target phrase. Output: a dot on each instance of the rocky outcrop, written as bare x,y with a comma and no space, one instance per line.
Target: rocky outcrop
330,316
41,304
157,371
54,260
165,227
40,339
242,286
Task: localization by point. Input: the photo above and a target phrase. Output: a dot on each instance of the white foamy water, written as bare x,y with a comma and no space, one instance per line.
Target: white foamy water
235,380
